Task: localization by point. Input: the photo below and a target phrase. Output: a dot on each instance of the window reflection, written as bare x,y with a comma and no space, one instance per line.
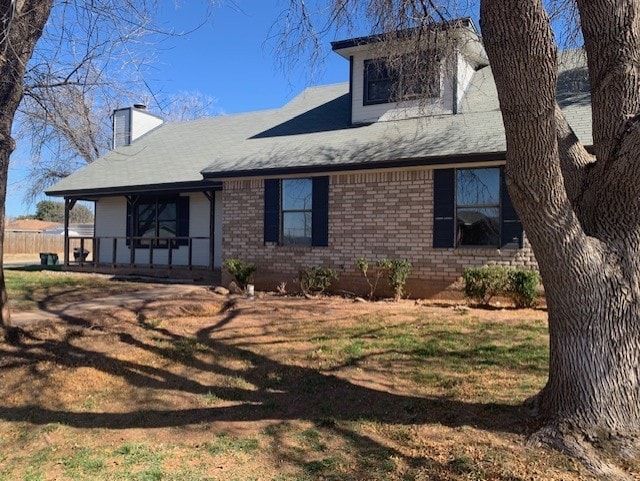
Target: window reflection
156,218
296,211
478,207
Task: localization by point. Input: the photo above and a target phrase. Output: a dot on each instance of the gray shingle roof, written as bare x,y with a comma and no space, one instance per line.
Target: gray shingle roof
313,132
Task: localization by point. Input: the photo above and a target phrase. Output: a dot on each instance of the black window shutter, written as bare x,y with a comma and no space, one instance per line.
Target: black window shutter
183,220
128,221
511,231
320,212
444,197
271,210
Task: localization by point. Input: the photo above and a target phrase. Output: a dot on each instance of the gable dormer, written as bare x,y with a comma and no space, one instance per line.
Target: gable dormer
381,84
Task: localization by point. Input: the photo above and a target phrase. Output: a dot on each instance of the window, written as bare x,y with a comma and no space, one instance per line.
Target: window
159,219
378,82
478,207
472,208
296,211
383,83
156,218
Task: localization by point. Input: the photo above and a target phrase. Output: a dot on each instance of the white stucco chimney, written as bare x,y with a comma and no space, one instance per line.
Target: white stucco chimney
130,123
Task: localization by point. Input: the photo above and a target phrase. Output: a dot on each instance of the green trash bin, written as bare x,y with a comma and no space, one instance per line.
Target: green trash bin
48,259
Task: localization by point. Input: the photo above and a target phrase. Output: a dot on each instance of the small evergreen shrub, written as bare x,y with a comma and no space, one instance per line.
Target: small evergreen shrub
522,287
398,273
242,272
481,284
315,280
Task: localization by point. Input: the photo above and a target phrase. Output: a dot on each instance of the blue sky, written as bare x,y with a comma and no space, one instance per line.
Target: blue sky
229,58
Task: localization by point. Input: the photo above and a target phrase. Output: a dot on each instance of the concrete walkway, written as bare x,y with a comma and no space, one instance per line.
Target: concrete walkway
131,299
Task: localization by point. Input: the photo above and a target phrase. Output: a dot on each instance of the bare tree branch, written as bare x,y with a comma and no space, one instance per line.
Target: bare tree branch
92,58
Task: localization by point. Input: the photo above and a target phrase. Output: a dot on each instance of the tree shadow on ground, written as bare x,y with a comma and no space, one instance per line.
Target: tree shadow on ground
271,390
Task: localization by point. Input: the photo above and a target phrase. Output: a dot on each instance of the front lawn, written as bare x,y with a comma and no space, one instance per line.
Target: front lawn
200,388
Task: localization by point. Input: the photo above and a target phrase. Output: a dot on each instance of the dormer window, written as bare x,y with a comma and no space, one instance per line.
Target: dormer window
385,83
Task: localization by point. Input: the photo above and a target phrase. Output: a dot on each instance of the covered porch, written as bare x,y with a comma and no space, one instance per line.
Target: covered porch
165,234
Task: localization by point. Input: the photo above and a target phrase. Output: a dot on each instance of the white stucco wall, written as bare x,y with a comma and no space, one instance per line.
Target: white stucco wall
465,74
130,123
142,122
110,222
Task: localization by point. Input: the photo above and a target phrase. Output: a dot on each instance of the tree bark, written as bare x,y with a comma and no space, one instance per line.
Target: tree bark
581,216
21,24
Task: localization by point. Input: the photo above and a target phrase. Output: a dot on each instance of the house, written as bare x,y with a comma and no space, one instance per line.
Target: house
342,171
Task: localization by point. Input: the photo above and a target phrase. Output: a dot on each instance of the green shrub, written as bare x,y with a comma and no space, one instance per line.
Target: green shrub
522,286
398,273
315,280
482,283
241,271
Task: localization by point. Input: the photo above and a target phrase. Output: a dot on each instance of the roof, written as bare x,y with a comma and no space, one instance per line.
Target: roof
404,33
312,134
30,225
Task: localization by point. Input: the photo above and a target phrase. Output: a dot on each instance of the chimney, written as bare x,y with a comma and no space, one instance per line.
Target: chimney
130,123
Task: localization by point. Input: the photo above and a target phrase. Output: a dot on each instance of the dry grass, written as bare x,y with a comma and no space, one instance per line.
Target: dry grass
277,389
34,287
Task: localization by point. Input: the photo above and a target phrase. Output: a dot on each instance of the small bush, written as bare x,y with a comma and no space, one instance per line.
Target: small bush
522,287
481,284
398,273
315,280
362,264
241,271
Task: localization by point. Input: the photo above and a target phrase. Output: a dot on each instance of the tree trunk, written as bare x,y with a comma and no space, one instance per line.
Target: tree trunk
581,215
21,24
5,315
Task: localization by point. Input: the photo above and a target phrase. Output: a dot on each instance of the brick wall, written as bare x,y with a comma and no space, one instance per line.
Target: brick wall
372,215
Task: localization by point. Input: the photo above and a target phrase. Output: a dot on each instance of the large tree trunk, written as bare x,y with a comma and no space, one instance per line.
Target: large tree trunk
5,315
581,215
21,24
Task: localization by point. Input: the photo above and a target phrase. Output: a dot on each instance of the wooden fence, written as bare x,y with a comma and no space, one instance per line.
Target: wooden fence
32,243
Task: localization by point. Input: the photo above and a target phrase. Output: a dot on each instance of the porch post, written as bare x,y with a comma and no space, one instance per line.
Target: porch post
212,226
68,205
131,202
66,231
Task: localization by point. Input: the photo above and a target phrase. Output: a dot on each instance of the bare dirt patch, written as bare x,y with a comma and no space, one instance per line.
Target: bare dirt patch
207,387
32,288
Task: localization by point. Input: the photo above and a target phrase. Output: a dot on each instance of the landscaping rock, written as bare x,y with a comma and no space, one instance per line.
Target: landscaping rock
223,291
234,289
